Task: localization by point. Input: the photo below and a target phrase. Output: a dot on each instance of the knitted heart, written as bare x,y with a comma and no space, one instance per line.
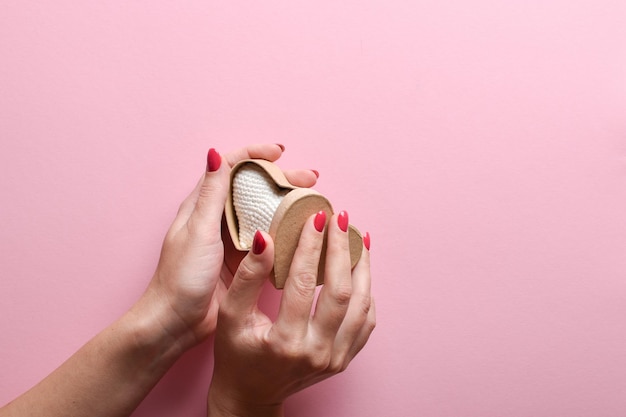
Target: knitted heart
255,197
262,198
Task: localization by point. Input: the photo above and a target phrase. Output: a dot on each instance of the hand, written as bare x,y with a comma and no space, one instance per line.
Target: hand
189,279
258,364
113,372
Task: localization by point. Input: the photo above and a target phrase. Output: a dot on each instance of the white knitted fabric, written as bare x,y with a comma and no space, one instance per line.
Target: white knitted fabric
256,198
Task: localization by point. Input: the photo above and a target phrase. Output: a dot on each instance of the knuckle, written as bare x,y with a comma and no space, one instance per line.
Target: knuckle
365,304
317,360
302,356
370,324
304,283
342,295
207,189
320,361
208,195
245,272
338,364
290,350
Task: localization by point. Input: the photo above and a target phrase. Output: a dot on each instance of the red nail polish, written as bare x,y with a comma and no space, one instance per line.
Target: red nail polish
366,240
316,172
342,220
281,146
320,221
213,160
258,243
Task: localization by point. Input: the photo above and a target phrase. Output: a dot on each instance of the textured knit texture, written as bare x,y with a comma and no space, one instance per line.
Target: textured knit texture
256,198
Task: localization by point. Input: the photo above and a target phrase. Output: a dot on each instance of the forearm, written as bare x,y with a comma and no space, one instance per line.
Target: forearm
108,376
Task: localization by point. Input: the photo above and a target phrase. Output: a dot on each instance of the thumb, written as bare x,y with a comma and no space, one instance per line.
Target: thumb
211,198
249,278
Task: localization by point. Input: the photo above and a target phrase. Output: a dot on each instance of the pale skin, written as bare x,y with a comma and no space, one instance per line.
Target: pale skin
191,296
260,363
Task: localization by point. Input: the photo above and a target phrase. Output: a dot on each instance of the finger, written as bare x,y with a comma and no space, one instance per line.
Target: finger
335,296
364,334
359,308
270,152
299,291
205,218
244,291
305,178
188,205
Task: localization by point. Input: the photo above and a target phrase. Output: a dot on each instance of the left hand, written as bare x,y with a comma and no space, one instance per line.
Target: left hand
191,275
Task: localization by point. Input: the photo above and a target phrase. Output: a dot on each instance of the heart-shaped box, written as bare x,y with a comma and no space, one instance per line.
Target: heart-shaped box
297,205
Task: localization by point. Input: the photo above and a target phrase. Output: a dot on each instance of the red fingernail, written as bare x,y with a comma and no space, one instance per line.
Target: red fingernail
213,160
317,174
366,240
342,220
281,146
320,221
258,244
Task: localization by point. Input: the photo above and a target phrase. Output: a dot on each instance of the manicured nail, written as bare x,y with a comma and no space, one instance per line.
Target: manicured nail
281,146
213,160
316,172
320,221
258,244
366,240
342,220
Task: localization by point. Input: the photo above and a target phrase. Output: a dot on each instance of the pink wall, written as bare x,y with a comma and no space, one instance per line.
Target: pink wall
482,143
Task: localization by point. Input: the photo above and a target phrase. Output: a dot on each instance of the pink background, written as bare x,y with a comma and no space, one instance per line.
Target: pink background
482,143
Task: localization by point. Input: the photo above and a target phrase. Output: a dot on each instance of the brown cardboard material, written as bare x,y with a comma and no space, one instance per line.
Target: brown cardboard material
296,207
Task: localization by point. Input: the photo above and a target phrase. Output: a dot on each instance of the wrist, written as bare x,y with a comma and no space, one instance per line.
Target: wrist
109,376
222,404
156,329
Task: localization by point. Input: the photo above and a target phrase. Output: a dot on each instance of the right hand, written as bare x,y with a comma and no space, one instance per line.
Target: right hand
259,363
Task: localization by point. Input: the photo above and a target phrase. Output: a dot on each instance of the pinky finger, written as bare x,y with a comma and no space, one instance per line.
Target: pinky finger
363,335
